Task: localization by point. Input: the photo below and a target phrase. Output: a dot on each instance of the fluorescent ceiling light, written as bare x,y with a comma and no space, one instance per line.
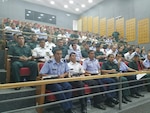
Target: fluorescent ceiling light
39,17
52,2
42,14
27,14
29,11
50,19
71,1
53,16
67,14
77,9
65,6
83,5
90,1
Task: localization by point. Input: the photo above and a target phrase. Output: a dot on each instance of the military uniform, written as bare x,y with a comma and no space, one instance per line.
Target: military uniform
17,64
32,44
84,53
11,43
108,66
138,66
98,53
53,68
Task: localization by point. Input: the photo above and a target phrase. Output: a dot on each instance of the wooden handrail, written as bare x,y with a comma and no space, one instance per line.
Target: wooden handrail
52,81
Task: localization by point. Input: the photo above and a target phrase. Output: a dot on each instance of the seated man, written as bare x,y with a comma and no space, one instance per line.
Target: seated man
77,70
76,51
146,64
137,65
59,68
21,57
124,68
34,43
42,51
109,67
92,67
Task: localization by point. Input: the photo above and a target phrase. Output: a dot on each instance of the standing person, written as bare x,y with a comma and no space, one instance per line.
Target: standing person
60,68
115,35
24,59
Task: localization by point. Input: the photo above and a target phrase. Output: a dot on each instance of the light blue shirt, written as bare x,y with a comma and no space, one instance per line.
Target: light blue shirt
53,68
123,66
91,65
146,63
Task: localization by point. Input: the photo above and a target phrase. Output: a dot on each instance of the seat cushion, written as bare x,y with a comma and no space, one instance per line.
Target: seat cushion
24,71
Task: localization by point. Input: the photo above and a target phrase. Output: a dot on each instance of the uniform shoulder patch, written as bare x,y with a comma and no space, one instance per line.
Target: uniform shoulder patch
49,61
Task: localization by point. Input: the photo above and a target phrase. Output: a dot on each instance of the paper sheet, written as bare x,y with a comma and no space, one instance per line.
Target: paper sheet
139,76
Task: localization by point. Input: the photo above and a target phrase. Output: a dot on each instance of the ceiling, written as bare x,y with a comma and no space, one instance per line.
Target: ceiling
70,6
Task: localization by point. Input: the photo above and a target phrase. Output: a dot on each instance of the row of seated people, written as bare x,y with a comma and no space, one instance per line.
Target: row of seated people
22,56
102,50
11,28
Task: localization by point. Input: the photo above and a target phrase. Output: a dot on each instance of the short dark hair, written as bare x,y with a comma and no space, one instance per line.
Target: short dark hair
20,36
55,50
130,49
40,40
119,53
90,51
110,55
72,53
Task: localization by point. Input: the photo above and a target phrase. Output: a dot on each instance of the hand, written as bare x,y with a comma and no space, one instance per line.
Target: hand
23,58
61,76
113,71
119,60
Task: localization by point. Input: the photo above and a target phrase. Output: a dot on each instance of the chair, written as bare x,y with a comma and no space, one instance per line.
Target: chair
100,63
24,71
52,97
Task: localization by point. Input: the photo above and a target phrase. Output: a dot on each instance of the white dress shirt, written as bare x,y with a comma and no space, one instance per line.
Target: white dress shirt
146,63
49,45
75,68
42,52
128,56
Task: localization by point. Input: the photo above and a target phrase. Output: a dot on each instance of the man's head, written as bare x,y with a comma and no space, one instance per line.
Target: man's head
34,38
148,56
49,38
60,42
130,50
72,57
136,57
74,46
97,47
119,56
42,43
86,46
91,54
20,40
137,49
110,57
57,54
114,48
